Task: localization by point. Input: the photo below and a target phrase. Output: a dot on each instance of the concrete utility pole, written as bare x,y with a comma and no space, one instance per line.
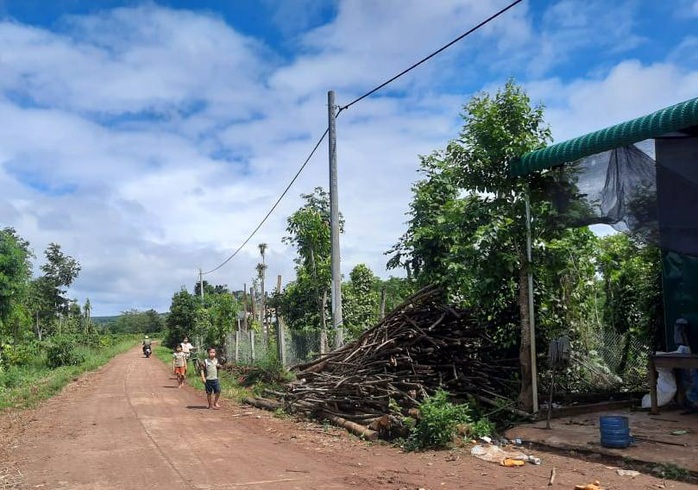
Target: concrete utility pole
337,320
201,285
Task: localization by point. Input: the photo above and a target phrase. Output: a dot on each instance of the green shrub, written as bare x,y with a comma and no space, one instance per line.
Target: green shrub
62,351
17,355
438,422
267,372
10,377
482,427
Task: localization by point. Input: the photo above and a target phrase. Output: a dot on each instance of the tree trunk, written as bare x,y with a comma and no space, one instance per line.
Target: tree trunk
38,327
262,306
526,393
381,313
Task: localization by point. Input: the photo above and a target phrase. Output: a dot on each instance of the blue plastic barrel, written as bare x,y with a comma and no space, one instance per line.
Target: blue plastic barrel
615,431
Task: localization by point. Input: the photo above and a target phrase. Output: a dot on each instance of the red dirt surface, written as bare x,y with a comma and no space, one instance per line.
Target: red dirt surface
127,426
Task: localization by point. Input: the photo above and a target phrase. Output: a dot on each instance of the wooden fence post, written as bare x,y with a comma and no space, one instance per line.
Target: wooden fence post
252,345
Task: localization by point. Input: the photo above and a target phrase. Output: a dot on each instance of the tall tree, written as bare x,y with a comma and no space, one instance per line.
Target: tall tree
309,232
15,275
262,270
182,317
87,317
468,221
361,300
59,272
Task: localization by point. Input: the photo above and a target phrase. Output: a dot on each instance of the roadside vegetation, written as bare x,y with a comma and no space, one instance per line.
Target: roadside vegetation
238,381
47,339
465,232
41,370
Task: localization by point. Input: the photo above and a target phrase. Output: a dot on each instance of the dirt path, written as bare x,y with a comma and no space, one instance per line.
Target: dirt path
127,426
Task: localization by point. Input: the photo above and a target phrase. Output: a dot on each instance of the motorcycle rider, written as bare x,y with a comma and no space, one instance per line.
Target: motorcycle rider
146,344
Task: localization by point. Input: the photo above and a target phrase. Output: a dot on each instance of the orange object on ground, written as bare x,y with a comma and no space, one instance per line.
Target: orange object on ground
512,462
589,486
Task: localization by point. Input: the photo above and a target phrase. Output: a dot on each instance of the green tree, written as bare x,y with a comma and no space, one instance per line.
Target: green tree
15,276
262,272
467,228
208,289
49,291
396,290
309,232
136,321
223,313
360,302
631,275
181,320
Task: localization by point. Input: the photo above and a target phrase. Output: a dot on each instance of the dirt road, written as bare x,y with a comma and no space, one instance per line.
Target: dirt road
127,426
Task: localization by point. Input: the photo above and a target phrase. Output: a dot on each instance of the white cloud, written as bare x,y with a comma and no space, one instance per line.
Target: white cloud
149,142
629,90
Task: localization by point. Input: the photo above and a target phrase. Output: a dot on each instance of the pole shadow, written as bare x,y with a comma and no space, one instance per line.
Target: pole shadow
197,407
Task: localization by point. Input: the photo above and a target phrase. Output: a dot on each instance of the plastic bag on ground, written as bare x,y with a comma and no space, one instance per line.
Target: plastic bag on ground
666,384
495,454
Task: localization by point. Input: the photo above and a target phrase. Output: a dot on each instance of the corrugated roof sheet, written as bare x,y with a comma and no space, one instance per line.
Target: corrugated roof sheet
674,118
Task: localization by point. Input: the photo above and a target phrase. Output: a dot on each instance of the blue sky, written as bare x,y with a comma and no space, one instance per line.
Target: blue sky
149,138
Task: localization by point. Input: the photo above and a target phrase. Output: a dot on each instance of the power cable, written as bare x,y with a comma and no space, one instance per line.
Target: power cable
341,108
274,206
443,48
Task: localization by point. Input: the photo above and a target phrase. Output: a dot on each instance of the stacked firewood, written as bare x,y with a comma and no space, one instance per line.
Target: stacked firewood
421,346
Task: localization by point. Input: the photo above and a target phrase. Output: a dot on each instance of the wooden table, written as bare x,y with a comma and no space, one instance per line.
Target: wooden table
673,361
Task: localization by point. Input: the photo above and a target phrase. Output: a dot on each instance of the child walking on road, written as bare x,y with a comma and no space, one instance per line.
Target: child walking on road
209,375
179,365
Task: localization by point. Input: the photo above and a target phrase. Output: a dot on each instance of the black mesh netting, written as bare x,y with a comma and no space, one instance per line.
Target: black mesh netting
649,189
617,188
656,199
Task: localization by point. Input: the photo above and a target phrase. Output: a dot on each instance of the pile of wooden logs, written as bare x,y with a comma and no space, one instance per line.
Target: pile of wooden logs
418,348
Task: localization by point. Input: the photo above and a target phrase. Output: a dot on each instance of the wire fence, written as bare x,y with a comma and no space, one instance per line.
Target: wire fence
251,347
606,361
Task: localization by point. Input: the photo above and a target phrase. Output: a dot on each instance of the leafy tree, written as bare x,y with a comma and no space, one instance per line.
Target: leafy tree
360,302
136,321
309,232
261,272
631,275
208,289
49,290
467,228
181,320
223,313
396,290
88,327
15,275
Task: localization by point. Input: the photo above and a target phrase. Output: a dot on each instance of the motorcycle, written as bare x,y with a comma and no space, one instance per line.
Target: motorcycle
147,351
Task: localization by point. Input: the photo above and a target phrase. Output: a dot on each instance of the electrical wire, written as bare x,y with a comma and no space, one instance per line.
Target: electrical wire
443,48
358,99
274,206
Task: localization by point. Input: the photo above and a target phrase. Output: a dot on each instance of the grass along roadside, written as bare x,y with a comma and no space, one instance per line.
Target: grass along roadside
231,388
25,386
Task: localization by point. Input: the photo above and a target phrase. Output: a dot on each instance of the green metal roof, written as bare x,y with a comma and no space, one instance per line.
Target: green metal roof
673,118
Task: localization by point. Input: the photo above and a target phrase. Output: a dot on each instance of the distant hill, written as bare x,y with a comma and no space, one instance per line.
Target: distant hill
101,320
